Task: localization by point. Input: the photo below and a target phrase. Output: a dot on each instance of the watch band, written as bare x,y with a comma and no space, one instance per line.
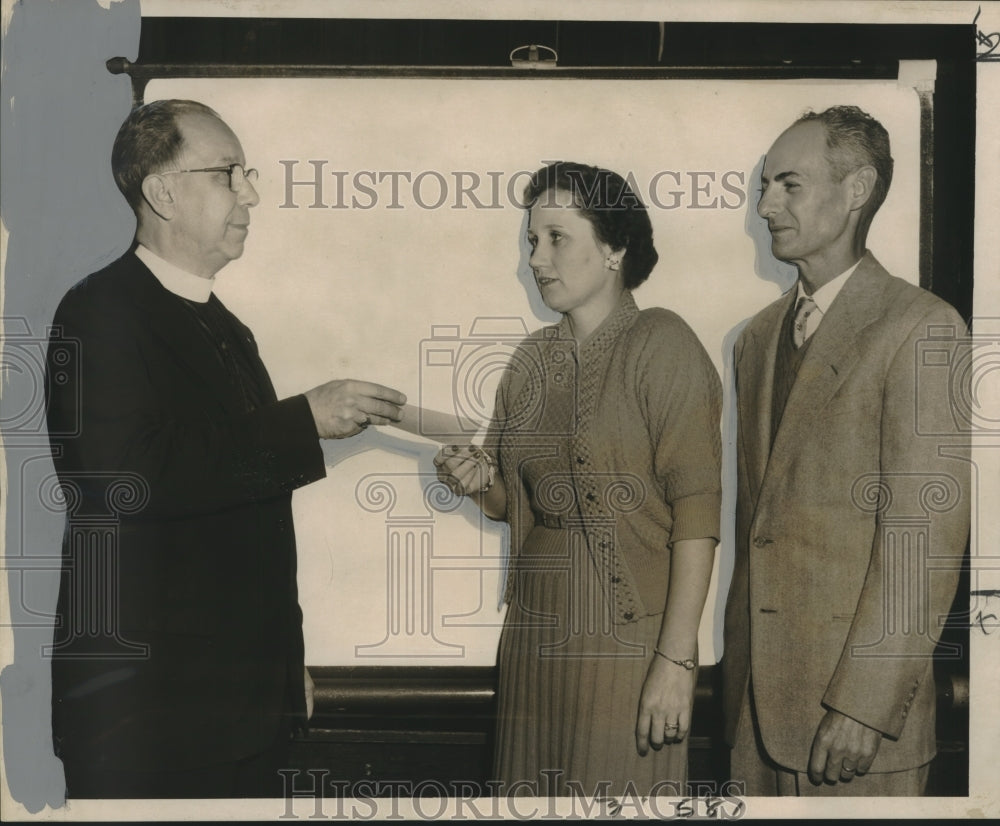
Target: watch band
491,466
688,664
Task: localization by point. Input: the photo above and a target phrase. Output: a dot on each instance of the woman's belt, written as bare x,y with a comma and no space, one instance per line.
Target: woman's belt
550,520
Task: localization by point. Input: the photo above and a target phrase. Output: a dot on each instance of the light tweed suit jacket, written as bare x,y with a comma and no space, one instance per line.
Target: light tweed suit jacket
852,525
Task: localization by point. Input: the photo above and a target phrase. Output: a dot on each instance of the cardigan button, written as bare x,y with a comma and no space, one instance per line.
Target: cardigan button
590,496
580,460
628,615
616,579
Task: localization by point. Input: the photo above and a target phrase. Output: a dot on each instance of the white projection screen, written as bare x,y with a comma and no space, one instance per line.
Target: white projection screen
408,266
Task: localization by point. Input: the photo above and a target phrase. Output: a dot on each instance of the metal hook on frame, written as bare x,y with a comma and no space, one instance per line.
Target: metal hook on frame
534,60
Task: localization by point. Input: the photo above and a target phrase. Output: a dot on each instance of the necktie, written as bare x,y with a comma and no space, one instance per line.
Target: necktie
806,308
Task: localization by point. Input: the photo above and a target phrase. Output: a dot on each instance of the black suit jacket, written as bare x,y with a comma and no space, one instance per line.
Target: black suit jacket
178,637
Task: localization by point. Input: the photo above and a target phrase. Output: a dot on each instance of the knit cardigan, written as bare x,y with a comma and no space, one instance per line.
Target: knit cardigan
641,442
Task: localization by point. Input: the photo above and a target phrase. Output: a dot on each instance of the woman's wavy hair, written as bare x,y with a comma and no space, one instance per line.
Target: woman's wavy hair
607,200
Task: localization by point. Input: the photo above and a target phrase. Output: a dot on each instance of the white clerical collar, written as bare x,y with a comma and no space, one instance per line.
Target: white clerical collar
179,282
825,295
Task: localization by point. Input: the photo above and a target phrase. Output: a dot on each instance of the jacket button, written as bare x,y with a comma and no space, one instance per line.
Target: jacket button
616,579
590,497
628,615
580,460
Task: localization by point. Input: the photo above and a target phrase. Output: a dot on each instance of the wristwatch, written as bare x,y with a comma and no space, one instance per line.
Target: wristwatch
688,664
491,466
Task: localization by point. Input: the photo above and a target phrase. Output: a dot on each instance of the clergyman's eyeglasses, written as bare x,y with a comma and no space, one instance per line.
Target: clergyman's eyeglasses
237,174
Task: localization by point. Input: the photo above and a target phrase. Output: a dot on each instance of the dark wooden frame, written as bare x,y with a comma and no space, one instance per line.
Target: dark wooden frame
296,47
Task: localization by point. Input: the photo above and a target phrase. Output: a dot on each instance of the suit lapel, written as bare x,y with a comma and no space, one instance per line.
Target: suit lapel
755,382
832,353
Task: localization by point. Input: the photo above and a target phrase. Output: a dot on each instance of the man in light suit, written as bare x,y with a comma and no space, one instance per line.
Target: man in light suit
178,655
851,519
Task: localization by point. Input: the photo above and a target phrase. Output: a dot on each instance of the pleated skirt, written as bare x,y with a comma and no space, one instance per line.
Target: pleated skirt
569,685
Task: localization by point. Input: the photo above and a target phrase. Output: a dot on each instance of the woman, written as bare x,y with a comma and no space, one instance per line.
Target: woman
603,456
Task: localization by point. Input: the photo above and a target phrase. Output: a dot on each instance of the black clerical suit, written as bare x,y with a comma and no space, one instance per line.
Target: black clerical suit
178,640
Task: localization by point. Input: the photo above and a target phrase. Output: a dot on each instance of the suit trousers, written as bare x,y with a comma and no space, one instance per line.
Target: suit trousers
762,777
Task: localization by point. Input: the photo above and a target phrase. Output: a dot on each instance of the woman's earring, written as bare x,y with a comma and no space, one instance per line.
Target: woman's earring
612,263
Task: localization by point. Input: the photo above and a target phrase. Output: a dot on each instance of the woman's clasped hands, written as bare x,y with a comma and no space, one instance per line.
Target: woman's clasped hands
465,469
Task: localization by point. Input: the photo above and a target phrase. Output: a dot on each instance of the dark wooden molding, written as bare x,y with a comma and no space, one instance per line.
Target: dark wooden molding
435,725
448,693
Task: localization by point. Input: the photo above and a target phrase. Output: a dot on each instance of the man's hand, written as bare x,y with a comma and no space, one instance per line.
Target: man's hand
345,407
842,748
310,692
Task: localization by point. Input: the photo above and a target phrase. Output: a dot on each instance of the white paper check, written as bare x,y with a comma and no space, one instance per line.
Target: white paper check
443,428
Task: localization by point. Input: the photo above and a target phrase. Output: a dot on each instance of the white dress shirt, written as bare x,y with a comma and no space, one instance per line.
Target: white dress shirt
823,297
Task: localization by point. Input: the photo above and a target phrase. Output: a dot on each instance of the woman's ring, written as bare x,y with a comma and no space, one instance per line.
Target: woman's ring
670,727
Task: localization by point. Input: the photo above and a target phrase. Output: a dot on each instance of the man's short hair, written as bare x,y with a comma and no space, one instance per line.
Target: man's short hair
855,139
149,141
